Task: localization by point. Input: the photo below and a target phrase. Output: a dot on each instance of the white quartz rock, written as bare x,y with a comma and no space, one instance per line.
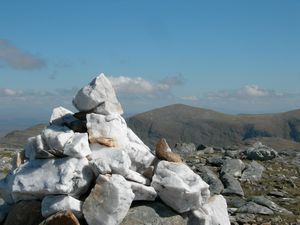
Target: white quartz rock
214,212
59,115
110,160
36,148
108,130
52,204
139,153
135,176
109,201
78,146
38,178
179,187
143,192
57,136
98,96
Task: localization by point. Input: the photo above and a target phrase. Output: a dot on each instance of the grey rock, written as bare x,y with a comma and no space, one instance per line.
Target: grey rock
184,148
216,160
234,154
253,208
233,167
261,200
260,152
215,185
231,185
201,147
245,218
154,213
25,212
253,172
4,209
208,150
235,201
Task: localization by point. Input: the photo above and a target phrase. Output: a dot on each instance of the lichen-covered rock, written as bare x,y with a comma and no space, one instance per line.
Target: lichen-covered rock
260,152
179,187
215,184
98,96
109,201
233,167
252,207
231,185
253,172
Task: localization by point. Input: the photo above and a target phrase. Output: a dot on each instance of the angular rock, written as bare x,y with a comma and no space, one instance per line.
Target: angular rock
25,212
235,201
52,204
108,130
38,178
61,218
110,160
109,201
216,161
261,200
245,218
61,115
253,172
213,212
143,192
260,152
154,213
78,146
233,167
179,187
136,177
139,153
163,152
99,97
234,154
184,148
231,185
36,148
253,208
57,136
208,150
215,185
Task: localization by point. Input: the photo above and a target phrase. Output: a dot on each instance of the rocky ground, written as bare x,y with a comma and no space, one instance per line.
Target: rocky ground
258,191
272,198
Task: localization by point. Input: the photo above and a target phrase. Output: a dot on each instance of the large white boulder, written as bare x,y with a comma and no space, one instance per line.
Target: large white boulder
214,212
57,136
109,201
78,146
110,160
52,204
98,96
179,187
110,130
139,153
38,178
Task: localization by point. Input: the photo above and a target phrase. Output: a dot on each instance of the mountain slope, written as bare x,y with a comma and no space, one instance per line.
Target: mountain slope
189,124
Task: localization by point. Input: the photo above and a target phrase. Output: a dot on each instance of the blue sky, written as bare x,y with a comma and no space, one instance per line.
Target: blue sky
229,56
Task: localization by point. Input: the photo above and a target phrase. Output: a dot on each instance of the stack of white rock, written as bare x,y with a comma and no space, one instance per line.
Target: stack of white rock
93,164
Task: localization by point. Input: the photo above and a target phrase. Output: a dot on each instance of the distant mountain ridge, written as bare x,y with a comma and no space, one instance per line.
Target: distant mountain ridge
182,123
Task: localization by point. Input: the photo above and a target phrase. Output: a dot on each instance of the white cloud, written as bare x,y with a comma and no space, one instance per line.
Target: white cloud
190,98
17,58
254,91
7,92
138,85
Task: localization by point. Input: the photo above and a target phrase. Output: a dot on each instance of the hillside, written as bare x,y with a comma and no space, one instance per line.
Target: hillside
182,123
17,139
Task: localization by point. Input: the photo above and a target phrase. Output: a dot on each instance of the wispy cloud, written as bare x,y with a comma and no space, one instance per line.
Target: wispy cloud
246,92
17,58
190,98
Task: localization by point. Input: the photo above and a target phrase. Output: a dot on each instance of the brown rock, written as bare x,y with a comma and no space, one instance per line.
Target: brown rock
164,152
61,218
109,142
25,212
